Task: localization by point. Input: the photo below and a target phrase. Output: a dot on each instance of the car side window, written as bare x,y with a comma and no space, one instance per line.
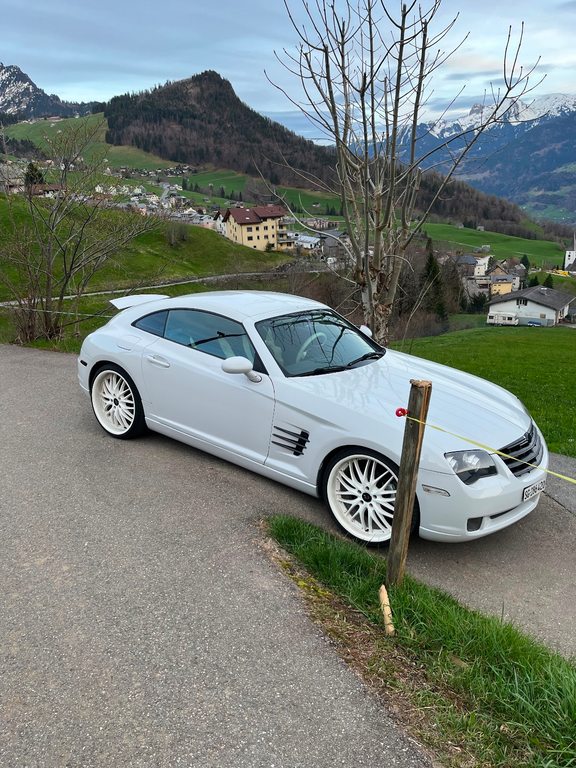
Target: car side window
206,332
180,327
154,323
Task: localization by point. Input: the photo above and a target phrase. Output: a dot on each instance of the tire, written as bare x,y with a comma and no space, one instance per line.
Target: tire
359,487
116,403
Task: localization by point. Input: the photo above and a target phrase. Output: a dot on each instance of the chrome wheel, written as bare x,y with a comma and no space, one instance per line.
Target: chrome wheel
360,488
116,403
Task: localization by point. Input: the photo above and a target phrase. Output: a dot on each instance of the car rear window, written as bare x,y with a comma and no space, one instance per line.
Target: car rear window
153,323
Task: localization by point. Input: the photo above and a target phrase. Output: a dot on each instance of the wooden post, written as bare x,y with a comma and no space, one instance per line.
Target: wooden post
411,447
386,611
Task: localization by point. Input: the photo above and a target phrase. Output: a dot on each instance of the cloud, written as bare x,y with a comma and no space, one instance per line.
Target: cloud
87,51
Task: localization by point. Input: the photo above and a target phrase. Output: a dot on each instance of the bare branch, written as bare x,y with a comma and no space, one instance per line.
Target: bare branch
366,74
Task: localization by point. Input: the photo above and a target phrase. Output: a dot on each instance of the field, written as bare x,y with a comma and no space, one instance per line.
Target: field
151,259
502,246
117,157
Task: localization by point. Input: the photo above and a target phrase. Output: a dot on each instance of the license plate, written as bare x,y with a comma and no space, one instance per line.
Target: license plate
533,490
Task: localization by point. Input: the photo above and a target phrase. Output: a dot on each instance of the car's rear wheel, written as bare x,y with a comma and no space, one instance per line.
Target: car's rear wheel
360,488
116,403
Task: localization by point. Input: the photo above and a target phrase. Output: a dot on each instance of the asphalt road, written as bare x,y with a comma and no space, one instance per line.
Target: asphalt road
141,624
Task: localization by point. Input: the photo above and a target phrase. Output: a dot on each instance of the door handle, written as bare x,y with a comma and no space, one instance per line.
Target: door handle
159,361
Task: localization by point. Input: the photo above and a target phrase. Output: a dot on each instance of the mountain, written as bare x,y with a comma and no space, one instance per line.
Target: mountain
519,113
200,120
19,95
527,157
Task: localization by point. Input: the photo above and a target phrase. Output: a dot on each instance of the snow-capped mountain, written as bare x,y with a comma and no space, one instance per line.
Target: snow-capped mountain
527,156
530,113
19,95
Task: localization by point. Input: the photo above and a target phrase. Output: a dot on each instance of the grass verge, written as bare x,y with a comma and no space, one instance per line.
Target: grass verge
472,688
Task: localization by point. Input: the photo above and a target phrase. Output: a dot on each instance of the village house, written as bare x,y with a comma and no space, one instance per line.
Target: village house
502,280
260,227
11,179
334,248
465,264
500,285
482,262
306,242
531,306
481,274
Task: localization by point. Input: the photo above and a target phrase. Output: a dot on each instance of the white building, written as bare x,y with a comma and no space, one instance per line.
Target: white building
570,258
308,242
531,306
481,265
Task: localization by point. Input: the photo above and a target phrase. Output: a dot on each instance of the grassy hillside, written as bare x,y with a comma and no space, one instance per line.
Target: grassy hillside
232,182
151,258
537,364
203,253
502,246
118,157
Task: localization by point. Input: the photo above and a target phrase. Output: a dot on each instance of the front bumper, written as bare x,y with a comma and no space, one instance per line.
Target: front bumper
455,512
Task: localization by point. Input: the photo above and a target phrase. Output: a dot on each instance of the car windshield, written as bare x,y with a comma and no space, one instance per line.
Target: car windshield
316,342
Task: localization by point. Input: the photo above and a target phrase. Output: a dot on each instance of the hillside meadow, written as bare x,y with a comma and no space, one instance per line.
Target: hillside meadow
117,157
461,239
170,253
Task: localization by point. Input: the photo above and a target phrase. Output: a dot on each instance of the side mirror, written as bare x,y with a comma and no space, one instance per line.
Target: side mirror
366,331
240,365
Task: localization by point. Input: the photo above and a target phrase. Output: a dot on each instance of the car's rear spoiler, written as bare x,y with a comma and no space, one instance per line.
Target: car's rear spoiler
132,301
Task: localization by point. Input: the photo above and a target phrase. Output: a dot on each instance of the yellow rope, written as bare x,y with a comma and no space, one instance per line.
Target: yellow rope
490,449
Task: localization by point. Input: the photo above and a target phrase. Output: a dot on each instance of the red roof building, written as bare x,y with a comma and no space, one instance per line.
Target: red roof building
261,227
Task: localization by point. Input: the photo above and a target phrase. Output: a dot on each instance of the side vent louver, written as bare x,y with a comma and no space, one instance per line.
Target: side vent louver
295,442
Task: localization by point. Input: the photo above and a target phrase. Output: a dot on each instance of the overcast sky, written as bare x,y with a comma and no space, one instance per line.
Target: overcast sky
84,51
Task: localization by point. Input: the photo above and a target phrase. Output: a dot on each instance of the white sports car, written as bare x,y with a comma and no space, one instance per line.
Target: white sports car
288,388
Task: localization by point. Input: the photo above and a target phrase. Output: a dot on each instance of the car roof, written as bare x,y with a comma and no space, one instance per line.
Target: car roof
240,305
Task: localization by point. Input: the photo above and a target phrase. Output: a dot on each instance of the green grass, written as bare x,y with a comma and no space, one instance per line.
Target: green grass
118,157
313,203
203,253
151,259
500,696
559,282
502,246
536,364
465,321
230,180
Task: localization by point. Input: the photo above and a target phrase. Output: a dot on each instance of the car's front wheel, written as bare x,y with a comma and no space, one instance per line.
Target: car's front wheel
116,403
360,488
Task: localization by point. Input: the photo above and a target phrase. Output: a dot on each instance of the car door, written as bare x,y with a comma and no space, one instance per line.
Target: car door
189,395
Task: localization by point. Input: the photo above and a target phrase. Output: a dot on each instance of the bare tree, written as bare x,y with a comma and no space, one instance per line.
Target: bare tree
61,233
366,76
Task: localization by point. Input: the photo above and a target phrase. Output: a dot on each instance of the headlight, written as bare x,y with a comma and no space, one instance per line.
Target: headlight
471,465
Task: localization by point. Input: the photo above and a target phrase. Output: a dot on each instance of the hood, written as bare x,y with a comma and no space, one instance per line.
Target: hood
462,405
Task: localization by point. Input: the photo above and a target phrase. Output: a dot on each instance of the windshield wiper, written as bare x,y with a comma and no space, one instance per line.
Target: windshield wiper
336,368
366,356
324,369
